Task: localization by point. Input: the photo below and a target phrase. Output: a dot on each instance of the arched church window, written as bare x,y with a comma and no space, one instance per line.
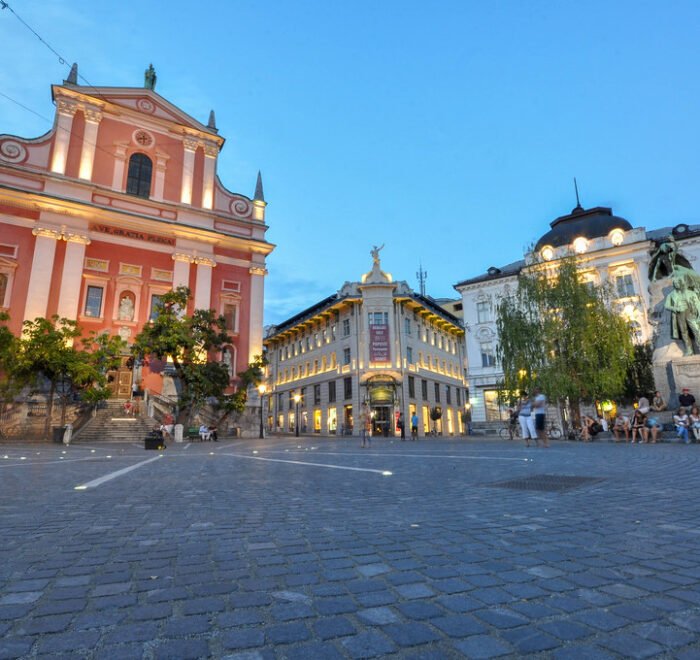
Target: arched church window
138,180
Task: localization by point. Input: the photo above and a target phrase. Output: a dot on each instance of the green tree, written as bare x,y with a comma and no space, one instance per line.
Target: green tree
187,342
55,350
234,403
640,374
563,335
10,381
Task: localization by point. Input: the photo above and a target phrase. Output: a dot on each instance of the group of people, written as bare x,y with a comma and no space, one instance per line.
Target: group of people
644,425
531,414
366,426
208,433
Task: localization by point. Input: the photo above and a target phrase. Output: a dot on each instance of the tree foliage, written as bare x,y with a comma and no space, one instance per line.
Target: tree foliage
563,335
187,341
55,350
640,374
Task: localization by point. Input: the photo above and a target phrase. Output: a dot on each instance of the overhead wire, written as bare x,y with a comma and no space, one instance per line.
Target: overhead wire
64,62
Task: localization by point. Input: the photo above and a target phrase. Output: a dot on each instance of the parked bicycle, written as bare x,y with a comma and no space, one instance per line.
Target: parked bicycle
510,431
553,431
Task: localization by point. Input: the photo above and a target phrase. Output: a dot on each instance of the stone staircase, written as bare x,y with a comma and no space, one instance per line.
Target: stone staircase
111,424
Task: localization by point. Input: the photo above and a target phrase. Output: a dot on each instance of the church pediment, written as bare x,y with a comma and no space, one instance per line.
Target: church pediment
138,100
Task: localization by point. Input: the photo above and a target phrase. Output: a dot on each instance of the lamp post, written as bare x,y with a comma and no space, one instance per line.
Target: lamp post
297,398
262,389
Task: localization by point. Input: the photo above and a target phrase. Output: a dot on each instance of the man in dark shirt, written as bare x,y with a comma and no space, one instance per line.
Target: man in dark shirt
686,399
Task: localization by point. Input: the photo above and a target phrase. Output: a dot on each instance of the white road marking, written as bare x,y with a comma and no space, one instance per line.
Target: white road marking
373,453
187,446
113,475
36,462
385,473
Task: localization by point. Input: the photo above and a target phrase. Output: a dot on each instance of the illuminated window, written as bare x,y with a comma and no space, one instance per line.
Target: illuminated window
93,301
580,245
547,253
138,180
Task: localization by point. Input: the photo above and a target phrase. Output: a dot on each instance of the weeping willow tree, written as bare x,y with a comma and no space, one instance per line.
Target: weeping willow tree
563,335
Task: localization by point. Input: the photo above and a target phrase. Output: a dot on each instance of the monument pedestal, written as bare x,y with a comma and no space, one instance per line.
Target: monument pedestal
686,373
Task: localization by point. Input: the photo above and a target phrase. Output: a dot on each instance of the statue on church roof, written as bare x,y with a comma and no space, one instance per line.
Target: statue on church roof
375,253
149,77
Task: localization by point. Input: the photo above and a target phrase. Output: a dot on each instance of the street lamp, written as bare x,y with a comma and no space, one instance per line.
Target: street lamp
297,398
262,389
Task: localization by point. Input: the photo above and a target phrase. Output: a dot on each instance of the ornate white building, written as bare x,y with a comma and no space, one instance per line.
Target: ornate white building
374,341
612,251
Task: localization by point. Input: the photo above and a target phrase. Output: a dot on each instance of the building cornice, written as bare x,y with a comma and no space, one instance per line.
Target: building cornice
88,211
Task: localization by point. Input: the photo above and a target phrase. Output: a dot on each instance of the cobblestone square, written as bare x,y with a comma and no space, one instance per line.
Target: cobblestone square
316,548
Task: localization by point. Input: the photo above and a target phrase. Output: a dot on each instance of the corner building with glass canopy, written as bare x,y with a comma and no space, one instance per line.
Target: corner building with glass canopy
374,342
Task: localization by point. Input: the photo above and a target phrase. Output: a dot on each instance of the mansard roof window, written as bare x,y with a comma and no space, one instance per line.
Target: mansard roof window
138,180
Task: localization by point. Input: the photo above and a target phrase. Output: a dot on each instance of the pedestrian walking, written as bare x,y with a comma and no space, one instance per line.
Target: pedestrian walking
401,425
365,426
527,423
414,426
539,408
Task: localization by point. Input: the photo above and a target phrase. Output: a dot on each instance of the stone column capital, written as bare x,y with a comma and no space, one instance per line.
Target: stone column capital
185,258
190,144
66,107
76,238
48,232
93,114
205,261
211,150
258,270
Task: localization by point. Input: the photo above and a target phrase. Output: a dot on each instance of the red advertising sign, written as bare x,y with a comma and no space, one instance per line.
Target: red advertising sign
379,343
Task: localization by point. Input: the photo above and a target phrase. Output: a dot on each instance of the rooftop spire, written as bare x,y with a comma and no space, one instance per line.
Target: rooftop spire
578,206
212,121
259,195
73,75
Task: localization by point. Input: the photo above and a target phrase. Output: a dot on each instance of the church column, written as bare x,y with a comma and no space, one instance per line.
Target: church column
210,153
181,270
257,294
64,123
93,117
40,276
159,182
202,289
119,165
71,277
190,147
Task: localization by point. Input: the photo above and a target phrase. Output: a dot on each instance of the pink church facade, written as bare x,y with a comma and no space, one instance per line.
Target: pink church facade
119,203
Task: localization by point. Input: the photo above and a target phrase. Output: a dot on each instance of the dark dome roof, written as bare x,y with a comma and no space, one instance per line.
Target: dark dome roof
590,223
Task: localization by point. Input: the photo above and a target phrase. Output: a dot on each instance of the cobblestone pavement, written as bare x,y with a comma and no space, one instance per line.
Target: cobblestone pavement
315,548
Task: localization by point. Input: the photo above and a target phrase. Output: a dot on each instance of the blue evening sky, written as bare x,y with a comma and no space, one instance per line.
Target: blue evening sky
450,130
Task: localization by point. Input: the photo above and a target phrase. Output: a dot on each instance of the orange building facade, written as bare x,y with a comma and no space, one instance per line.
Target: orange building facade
119,203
